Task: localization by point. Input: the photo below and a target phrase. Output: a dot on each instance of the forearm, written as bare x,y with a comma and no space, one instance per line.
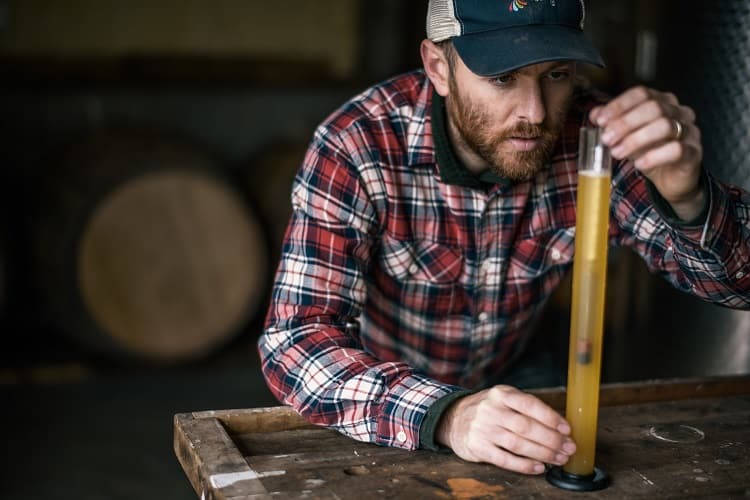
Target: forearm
325,375
707,256
717,254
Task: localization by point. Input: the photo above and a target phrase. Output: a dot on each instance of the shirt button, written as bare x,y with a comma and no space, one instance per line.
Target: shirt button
483,316
556,254
739,275
401,436
413,269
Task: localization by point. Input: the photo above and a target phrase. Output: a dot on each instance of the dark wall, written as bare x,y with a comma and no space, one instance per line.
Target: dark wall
240,115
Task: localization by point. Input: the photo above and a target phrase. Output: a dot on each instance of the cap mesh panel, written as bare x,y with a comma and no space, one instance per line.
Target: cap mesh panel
441,21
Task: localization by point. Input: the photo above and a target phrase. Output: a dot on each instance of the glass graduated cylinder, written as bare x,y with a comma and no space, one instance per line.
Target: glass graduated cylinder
587,309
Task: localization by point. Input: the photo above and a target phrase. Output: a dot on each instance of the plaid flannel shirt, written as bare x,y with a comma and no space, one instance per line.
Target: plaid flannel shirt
397,287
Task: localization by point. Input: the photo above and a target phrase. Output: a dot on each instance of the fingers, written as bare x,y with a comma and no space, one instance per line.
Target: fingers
627,101
510,461
518,432
526,446
640,125
672,152
507,428
526,404
530,428
660,136
546,442
509,451
644,124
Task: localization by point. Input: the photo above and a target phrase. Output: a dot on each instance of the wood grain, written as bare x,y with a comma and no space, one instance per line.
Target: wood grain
670,439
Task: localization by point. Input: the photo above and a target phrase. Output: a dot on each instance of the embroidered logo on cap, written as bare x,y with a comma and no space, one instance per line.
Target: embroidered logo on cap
516,5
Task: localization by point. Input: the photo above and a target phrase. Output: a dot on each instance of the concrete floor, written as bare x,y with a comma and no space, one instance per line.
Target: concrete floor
80,430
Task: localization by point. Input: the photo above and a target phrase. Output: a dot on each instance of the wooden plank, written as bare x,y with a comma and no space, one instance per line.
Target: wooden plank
646,450
273,419
689,448
215,467
318,460
671,439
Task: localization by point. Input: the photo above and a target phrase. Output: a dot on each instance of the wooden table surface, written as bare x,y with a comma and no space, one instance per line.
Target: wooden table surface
656,439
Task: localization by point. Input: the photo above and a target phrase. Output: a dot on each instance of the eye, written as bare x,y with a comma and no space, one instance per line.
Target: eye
558,75
502,80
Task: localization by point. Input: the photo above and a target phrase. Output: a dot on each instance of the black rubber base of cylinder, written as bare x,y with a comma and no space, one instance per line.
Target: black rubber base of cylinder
574,482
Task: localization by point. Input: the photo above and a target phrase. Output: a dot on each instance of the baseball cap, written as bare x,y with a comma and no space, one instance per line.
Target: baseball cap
498,36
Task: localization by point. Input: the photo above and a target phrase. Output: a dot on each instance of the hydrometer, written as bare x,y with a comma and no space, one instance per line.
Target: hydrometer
587,314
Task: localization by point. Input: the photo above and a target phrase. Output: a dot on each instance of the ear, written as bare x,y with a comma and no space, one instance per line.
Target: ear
435,66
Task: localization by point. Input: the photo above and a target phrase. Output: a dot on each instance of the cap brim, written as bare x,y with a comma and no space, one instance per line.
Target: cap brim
501,51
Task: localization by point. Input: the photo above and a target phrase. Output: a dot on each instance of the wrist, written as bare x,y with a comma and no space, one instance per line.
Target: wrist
688,210
443,431
691,206
429,428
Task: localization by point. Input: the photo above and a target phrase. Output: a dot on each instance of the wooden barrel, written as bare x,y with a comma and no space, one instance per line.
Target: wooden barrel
146,250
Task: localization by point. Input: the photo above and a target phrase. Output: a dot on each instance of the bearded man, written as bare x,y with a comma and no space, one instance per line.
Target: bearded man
435,212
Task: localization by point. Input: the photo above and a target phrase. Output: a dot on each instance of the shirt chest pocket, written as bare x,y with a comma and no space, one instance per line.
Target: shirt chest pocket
422,260
550,252
421,275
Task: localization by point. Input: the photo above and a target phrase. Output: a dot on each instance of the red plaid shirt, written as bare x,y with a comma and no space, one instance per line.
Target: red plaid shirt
443,277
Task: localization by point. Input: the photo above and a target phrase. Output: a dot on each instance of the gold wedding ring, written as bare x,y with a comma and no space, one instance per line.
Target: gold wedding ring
677,129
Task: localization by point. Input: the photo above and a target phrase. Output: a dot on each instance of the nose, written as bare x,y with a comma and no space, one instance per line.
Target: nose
531,106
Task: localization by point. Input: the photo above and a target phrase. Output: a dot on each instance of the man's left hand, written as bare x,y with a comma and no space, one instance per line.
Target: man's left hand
659,135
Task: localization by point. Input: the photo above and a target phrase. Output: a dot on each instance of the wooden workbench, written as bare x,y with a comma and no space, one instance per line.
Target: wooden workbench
656,439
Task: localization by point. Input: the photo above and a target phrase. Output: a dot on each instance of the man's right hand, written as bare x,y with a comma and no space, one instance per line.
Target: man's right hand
507,428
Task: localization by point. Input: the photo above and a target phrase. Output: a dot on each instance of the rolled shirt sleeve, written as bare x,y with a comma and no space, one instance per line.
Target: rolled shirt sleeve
710,259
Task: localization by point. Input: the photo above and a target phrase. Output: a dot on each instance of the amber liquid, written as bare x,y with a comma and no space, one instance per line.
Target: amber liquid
587,317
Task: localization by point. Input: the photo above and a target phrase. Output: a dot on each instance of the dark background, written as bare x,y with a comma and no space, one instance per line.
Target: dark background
247,83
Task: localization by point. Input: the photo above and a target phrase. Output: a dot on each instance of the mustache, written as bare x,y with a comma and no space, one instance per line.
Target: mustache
526,130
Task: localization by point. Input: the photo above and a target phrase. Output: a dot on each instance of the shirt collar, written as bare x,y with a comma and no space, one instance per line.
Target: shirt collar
419,144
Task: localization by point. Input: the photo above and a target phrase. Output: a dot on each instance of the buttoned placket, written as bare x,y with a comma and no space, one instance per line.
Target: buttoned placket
484,323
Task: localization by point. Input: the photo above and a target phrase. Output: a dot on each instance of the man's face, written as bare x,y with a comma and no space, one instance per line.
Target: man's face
509,123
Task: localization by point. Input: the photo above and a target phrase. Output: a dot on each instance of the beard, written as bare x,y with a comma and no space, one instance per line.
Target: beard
473,124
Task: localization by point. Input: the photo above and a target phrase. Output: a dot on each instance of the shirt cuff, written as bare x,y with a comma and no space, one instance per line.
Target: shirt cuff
432,417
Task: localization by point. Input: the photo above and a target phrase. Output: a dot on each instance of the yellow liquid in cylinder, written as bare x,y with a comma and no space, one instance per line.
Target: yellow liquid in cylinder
587,317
